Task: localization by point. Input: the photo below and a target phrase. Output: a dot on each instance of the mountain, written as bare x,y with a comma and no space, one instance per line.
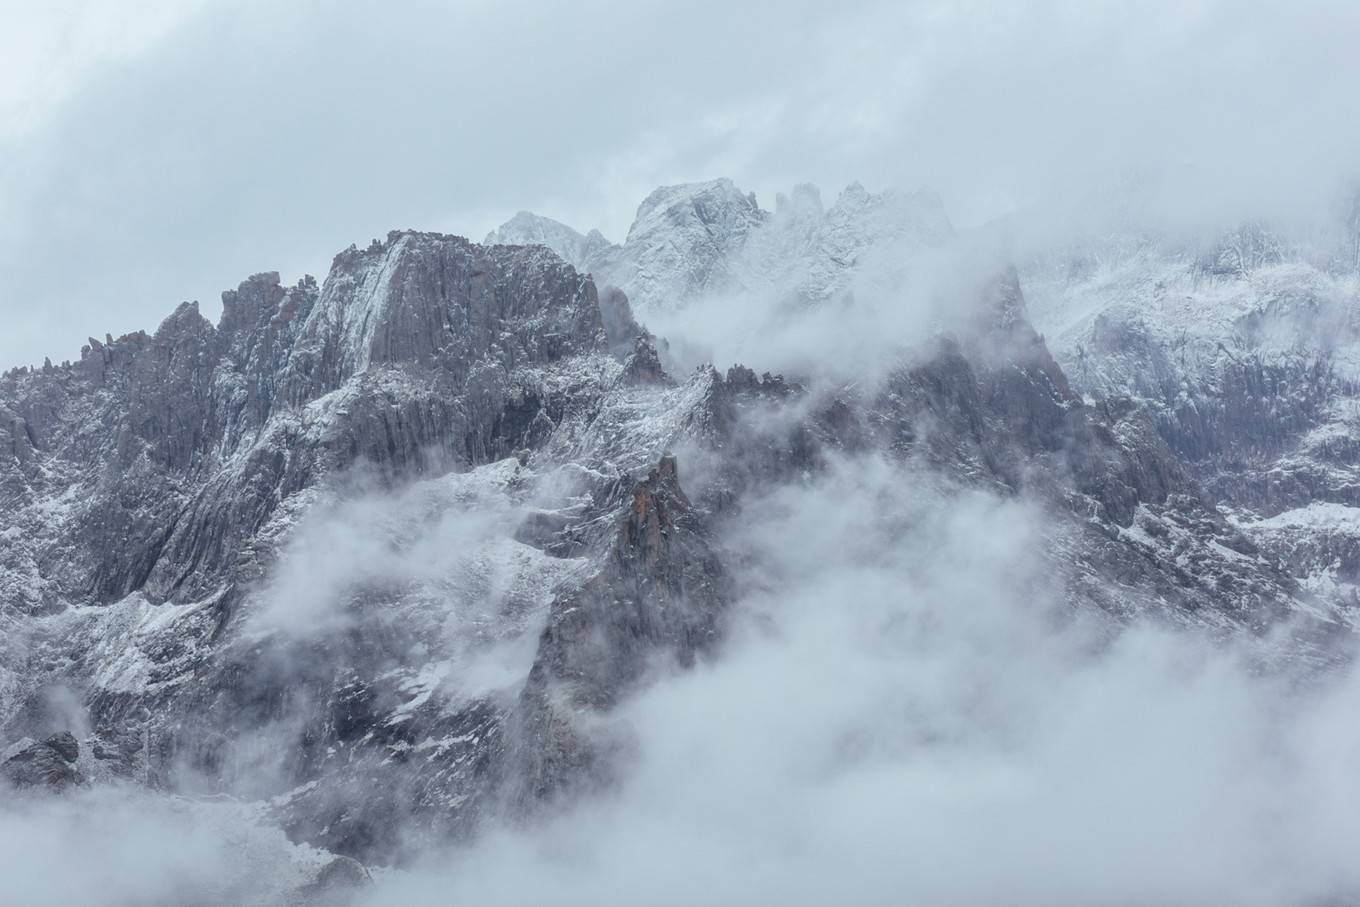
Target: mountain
526,229
386,553
699,239
1240,348
1245,352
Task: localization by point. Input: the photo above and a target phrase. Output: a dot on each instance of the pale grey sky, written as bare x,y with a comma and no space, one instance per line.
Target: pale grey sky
159,150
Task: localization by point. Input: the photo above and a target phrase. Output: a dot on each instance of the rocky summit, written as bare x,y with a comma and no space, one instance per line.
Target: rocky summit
386,554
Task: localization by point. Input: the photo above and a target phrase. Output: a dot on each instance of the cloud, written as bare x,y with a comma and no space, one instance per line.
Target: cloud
904,709
898,718
120,847
357,543
435,563
893,307
49,51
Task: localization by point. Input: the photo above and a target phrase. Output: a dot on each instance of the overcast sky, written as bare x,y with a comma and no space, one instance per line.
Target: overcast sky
153,151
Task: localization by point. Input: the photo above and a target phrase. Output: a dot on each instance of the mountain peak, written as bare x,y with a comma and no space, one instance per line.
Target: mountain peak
694,239
529,229
717,204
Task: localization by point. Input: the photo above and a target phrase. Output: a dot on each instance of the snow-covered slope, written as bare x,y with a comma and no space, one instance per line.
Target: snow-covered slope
701,239
526,229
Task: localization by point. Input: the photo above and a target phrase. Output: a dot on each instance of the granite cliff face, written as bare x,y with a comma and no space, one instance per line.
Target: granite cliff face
50,763
385,553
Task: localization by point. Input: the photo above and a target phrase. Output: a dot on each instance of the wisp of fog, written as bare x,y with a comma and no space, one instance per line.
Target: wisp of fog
907,714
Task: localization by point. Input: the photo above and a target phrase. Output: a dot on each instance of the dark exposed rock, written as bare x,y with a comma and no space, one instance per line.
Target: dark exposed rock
659,597
337,881
616,316
1013,419
50,764
65,746
643,365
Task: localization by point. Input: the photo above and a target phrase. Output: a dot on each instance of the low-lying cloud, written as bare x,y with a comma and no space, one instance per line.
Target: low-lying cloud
899,718
903,711
119,846
893,306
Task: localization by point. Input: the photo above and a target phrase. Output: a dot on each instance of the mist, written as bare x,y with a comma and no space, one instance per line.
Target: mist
905,713
124,846
446,543
896,305
904,709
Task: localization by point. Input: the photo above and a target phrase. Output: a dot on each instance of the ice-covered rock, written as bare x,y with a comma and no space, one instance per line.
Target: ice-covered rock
50,763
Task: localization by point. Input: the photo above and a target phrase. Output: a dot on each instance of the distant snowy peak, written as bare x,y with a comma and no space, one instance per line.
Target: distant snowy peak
528,229
685,242
697,239
917,215
810,252
716,208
